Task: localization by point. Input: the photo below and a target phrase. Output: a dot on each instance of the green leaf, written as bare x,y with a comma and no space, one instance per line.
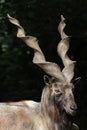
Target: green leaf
2,1
75,127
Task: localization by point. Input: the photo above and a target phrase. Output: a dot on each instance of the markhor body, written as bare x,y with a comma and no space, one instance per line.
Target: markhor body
57,105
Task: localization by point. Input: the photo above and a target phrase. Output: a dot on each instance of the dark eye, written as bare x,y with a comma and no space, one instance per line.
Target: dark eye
58,92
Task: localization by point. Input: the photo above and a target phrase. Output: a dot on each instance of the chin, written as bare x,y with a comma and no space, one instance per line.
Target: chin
71,112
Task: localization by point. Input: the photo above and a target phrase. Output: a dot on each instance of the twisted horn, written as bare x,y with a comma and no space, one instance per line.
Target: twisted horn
50,68
62,49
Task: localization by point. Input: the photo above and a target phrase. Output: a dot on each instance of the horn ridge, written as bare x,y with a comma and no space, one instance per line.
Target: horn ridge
50,68
62,49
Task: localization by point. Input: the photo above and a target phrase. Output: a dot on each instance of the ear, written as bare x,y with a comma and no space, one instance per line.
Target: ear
76,80
46,80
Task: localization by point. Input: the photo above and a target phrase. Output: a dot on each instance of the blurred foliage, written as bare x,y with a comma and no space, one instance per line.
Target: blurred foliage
19,77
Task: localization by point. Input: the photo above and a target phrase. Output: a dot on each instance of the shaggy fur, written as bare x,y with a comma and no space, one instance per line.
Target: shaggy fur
49,114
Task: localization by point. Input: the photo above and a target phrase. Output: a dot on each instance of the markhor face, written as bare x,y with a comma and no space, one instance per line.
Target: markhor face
64,97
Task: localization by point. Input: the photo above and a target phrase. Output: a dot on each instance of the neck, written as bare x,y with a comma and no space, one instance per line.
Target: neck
57,120
65,122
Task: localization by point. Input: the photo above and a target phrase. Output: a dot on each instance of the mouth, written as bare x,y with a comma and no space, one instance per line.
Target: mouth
71,112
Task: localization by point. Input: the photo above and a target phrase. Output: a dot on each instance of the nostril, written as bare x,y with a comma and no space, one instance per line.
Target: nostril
74,108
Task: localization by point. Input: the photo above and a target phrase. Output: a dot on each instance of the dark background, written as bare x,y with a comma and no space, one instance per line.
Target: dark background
19,78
